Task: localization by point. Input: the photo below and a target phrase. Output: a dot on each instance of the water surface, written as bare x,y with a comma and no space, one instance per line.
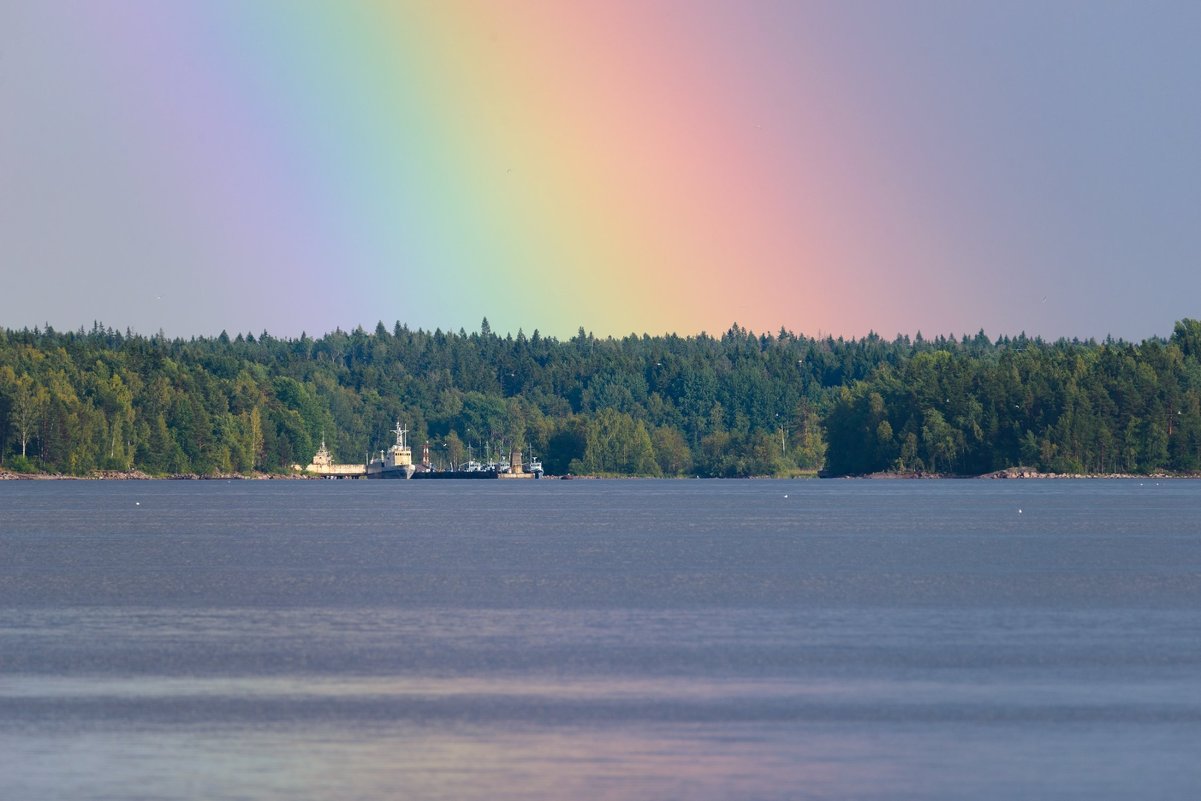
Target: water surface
600,639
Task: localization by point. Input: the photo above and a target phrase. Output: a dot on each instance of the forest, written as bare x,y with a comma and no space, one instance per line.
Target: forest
738,404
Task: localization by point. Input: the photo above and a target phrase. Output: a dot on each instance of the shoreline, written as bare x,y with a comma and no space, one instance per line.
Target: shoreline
138,475
1011,473
1018,473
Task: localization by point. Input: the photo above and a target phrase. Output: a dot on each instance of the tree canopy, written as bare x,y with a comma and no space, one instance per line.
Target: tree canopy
734,405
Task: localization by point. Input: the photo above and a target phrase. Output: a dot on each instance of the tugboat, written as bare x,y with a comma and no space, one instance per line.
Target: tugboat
397,461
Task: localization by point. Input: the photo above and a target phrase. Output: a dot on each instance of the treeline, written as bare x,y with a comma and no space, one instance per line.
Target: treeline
735,405
1067,407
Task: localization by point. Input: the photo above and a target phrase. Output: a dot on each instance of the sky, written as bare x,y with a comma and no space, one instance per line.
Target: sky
657,166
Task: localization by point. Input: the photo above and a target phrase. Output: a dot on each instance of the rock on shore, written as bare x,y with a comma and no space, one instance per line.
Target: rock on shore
138,475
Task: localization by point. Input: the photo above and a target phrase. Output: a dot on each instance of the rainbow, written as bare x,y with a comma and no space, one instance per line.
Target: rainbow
622,166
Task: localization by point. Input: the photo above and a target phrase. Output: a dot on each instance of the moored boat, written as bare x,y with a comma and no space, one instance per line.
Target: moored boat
397,461
472,469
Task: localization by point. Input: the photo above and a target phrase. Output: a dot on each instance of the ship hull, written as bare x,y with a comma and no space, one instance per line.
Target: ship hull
399,473
473,475
466,474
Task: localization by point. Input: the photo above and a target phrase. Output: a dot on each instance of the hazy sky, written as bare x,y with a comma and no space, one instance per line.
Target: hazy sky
832,167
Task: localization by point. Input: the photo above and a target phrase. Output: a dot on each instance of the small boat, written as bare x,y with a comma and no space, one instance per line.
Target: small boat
473,469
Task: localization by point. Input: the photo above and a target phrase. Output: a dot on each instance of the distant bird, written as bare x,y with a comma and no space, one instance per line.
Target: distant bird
1044,298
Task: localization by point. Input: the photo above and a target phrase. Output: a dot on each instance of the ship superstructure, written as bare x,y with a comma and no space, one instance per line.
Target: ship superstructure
324,465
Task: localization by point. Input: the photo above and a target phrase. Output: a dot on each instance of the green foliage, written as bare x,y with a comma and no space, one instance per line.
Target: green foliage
735,405
616,444
1062,407
21,464
566,447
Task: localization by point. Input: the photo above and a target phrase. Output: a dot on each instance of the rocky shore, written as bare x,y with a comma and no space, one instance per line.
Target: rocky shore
1030,472
138,475
1018,473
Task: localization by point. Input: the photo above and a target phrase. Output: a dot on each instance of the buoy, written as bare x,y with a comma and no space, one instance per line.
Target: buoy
1019,511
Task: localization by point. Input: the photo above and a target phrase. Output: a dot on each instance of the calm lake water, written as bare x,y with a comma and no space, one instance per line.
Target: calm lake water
600,640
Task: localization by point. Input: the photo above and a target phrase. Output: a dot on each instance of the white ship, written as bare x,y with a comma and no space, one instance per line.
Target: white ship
397,461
